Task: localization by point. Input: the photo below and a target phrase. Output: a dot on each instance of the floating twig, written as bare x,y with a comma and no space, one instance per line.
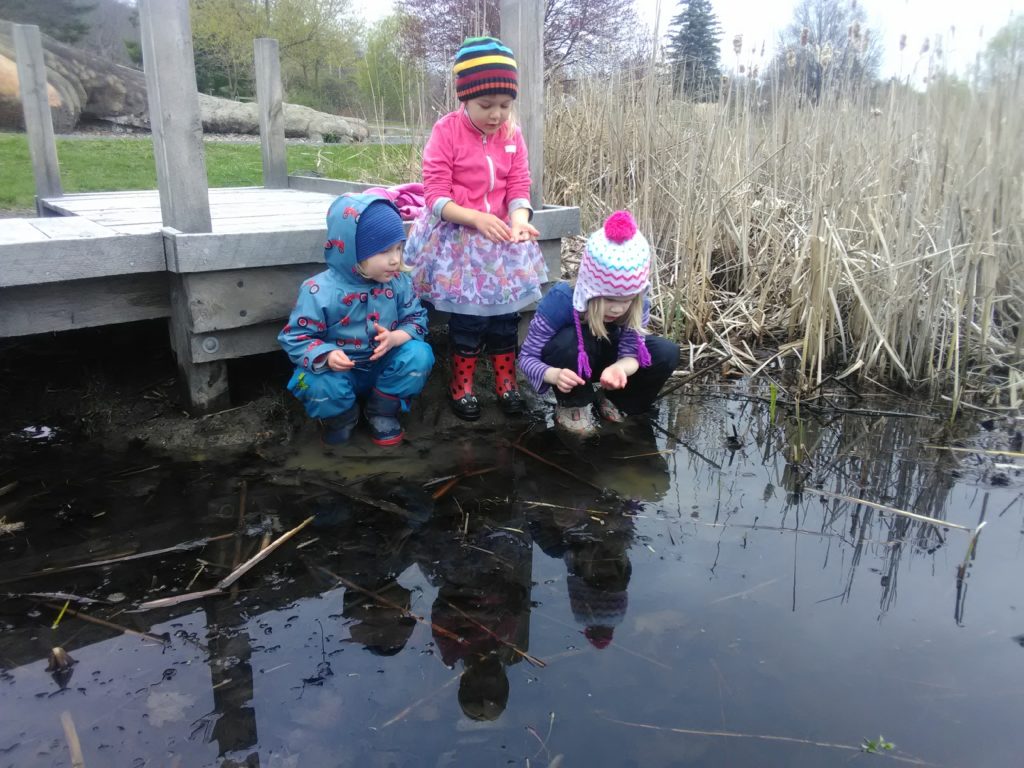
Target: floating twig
757,736
232,577
654,423
391,604
7,529
987,452
893,510
563,470
183,547
677,385
404,713
453,481
5,489
110,625
512,646
56,596
74,745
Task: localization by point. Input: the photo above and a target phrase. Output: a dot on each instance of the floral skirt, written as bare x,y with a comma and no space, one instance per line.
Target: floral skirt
457,269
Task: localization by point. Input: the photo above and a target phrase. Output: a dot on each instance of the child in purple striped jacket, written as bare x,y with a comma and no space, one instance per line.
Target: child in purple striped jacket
594,333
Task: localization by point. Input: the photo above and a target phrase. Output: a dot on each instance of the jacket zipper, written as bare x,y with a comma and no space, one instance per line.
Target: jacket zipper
490,173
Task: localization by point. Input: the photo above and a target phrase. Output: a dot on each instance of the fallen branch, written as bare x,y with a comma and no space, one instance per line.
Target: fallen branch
512,646
74,746
453,481
893,510
1015,454
563,470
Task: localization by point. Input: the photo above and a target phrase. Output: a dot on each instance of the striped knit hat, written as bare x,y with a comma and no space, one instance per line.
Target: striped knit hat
484,66
616,263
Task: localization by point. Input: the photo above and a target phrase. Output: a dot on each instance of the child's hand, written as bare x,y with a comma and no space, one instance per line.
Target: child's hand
493,228
521,232
568,380
339,361
613,377
385,343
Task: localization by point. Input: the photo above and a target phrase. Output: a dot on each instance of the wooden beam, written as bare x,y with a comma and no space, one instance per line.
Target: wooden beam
35,105
522,29
174,117
239,297
78,258
211,252
270,98
326,186
30,309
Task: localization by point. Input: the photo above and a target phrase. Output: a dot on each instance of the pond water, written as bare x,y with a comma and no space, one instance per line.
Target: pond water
676,593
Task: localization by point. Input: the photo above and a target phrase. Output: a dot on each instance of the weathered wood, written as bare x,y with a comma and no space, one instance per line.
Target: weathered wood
236,342
552,251
62,258
241,297
326,186
204,384
175,122
35,104
522,29
270,97
212,252
52,307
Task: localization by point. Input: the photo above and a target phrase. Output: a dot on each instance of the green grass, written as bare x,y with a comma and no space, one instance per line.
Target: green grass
97,165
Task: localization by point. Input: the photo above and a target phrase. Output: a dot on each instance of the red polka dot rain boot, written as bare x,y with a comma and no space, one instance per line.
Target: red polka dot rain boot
460,388
505,387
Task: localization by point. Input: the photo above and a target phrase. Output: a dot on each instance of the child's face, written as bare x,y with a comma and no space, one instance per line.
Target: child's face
616,307
489,113
382,267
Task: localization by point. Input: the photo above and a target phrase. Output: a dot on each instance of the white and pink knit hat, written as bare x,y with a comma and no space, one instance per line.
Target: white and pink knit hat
616,262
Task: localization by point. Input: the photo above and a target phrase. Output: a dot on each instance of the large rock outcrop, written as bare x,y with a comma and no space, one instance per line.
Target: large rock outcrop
82,85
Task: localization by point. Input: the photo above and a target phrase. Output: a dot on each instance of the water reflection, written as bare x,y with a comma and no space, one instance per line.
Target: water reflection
712,570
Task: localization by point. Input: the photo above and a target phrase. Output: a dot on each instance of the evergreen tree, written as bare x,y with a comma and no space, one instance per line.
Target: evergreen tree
693,50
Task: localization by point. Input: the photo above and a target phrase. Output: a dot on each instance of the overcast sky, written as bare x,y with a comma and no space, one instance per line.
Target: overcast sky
761,20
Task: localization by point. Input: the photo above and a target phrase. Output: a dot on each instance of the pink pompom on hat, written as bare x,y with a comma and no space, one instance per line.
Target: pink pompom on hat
616,262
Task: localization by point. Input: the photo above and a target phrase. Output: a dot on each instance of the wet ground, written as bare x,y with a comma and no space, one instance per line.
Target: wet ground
707,588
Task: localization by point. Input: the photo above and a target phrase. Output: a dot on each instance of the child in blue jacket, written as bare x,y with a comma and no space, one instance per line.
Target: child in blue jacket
357,329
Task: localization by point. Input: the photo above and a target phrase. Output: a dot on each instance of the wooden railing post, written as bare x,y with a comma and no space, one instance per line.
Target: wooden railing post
270,98
35,104
177,129
522,29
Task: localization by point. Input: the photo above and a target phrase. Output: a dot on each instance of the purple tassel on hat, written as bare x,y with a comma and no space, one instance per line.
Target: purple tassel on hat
643,355
582,361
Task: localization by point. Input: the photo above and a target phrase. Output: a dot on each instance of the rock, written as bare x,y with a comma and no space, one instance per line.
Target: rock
82,85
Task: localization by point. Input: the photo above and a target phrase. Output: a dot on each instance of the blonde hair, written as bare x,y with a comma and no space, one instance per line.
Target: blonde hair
632,318
402,266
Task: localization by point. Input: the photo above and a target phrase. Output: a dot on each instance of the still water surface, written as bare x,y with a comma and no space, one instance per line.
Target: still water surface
716,605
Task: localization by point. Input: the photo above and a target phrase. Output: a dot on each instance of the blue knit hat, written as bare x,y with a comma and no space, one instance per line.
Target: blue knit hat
379,227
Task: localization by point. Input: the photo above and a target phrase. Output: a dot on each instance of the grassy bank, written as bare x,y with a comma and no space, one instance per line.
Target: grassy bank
876,233
94,165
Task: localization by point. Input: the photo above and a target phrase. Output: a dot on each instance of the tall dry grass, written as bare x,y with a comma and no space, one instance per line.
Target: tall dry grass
877,233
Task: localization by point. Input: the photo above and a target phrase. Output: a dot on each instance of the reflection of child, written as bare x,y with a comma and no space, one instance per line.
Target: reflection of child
610,347
473,252
357,328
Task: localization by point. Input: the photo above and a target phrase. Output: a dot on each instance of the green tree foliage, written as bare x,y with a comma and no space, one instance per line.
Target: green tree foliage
828,46
64,20
318,42
1004,55
388,80
693,50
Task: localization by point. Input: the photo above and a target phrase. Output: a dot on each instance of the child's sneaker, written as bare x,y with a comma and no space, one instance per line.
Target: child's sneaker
577,420
338,429
609,411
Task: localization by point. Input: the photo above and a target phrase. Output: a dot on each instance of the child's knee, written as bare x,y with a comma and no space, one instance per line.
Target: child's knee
664,353
420,357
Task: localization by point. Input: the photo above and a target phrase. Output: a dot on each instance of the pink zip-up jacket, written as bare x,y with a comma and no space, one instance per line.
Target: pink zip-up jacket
485,173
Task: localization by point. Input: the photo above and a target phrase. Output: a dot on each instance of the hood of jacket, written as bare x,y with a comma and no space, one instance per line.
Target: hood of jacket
342,219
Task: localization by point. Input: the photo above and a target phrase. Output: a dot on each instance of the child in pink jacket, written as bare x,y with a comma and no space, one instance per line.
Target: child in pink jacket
473,252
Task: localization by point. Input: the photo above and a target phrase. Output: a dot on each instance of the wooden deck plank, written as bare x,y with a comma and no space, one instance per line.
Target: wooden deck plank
19,231
82,258
66,227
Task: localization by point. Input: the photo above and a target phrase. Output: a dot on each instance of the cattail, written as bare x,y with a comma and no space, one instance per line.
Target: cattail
825,55
926,46
790,57
855,30
762,49
805,36
754,73
903,41
742,69
737,44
